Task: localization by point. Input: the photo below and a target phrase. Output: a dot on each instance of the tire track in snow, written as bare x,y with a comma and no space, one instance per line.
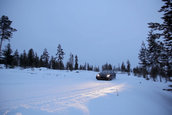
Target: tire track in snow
75,97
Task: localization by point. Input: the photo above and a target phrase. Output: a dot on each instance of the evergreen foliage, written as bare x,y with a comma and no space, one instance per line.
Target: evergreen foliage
53,63
31,57
96,69
36,61
128,66
123,68
76,62
89,67
16,58
156,59
107,67
6,30
70,63
59,56
8,57
44,60
23,59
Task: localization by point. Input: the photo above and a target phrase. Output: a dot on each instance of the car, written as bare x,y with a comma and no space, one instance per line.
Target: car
106,75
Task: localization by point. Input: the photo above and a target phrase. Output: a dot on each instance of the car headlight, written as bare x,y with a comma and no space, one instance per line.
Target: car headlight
98,75
108,75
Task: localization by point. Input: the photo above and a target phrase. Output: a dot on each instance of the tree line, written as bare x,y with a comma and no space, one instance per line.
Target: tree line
156,57
31,59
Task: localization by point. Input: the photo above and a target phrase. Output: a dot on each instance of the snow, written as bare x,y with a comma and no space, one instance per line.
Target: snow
51,92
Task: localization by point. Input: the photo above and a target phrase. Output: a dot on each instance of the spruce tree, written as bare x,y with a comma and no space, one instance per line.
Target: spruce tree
76,62
45,58
154,49
25,59
36,60
70,63
96,69
166,26
85,67
60,55
143,57
128,66
31,57
123,68
53,63
16,58
21,60
109,67
8,57
88,66
162,35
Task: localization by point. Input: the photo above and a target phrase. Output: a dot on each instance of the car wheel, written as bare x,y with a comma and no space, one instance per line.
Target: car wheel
110,79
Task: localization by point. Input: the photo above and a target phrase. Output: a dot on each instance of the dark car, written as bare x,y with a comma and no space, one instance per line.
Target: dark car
106,75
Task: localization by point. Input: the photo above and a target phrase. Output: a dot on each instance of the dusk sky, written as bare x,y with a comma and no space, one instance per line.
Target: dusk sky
98,31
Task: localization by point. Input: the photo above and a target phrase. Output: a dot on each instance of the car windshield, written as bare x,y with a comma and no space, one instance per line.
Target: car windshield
107,71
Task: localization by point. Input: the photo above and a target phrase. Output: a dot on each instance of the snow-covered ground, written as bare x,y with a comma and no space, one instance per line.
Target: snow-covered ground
52,92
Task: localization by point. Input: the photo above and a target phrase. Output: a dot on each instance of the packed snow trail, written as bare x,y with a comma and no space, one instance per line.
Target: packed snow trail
58,101
51,92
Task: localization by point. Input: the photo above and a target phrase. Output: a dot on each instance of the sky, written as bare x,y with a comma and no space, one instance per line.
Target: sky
98,31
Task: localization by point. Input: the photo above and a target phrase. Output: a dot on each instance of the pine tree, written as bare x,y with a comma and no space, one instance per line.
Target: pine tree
31,57
5,29
109,67
154,49
144,60
60,55
166,9
88,66
128,66
81,67
105,67
53,63
44,58
163,34
96,69
143,56
123,68
23,59
76,62
7,53
16,58
85,66
91,68
167,24
70,63
36,60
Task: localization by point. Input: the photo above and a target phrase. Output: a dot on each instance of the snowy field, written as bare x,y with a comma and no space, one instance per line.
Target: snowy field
53,92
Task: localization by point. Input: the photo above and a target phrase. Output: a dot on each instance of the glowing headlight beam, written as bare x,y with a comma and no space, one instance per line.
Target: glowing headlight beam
108,75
